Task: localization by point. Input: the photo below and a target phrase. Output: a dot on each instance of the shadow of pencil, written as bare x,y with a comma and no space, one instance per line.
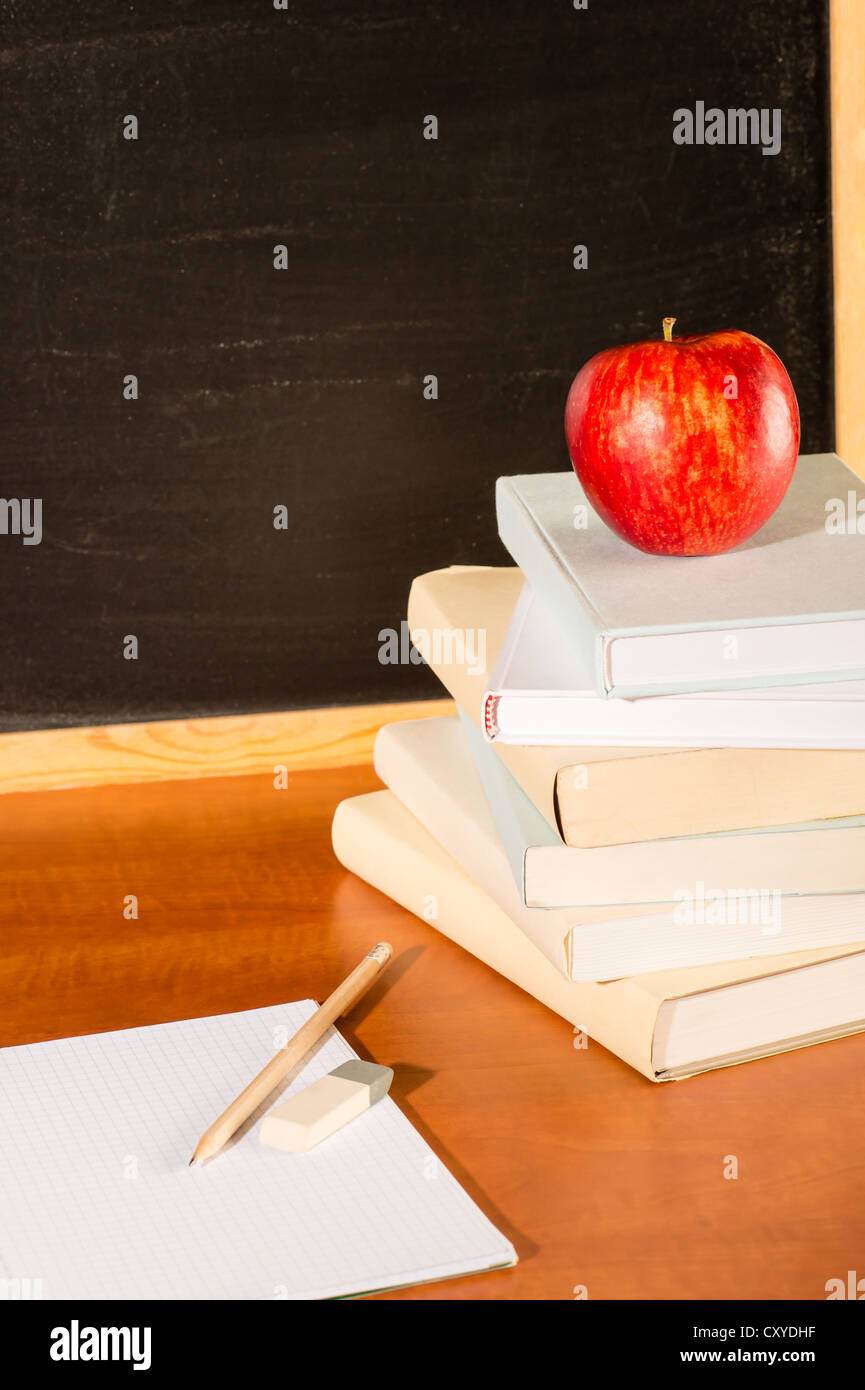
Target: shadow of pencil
385,982
276,1094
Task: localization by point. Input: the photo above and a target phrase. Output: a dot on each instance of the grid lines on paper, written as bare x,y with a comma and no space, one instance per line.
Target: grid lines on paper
98,1201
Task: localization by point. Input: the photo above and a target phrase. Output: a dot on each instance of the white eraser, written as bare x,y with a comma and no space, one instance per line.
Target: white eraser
324,1107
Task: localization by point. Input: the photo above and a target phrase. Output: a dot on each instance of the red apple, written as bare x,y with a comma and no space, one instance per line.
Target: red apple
685,446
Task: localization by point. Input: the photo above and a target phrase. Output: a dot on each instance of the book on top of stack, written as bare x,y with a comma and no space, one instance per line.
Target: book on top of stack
650,809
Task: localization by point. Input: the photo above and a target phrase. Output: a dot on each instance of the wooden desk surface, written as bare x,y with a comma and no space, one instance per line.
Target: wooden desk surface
598,1177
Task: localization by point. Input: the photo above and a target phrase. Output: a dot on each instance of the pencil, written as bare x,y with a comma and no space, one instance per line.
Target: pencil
344,997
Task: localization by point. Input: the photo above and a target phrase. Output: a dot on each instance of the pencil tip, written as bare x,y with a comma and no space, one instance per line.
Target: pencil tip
193,1161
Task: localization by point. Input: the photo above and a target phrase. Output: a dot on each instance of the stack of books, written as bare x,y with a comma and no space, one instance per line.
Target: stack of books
649,809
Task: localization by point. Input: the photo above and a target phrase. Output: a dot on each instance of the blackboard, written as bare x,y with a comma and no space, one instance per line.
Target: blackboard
305,126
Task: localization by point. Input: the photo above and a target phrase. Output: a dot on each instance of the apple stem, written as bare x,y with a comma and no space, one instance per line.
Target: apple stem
668,330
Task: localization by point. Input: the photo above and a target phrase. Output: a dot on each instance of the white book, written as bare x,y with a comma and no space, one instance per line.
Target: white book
541,693
786,607
428,765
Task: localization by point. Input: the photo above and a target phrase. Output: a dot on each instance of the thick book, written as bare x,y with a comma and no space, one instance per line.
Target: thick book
667,1025
786,607
605,795
541,691
427,764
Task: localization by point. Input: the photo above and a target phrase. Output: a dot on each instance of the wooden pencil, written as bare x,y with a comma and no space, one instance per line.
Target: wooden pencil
344,997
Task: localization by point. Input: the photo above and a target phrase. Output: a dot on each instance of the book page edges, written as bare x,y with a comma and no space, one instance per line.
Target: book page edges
751,787
735,1059
413,761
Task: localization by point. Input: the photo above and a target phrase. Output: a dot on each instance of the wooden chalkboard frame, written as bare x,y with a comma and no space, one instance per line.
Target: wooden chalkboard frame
274,745
847,58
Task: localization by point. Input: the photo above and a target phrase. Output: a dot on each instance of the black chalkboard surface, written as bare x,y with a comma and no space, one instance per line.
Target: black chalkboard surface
406,257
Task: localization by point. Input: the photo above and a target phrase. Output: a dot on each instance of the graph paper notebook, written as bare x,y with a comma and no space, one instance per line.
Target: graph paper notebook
97,1199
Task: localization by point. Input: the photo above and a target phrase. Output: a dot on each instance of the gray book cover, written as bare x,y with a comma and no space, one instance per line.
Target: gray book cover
786,607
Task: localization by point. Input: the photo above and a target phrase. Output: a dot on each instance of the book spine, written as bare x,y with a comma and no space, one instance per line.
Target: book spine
536,773
425,615
491,728
377,839
518,821
419,785
543,569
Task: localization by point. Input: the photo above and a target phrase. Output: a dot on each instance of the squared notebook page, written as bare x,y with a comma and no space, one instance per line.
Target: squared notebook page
97,1199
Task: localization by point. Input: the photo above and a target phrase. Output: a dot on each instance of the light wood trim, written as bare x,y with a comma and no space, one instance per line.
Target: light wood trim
848,215
180,748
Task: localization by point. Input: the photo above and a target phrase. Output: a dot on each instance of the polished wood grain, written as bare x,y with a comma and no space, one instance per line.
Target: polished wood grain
600,1178
229,745
848,224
